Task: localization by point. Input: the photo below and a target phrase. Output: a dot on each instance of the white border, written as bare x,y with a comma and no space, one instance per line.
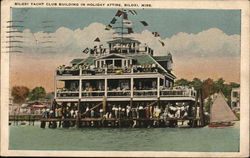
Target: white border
243,5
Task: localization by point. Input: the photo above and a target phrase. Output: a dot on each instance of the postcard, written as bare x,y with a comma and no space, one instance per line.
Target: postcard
125,78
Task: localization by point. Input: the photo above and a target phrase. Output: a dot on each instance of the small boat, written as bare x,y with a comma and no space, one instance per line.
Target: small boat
221,114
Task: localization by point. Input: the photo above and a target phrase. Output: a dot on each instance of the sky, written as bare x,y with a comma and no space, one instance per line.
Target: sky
204,43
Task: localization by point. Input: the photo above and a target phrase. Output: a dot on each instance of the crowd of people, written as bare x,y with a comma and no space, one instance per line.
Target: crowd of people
70,110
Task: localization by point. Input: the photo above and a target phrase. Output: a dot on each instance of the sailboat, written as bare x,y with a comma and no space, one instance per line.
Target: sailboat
221,114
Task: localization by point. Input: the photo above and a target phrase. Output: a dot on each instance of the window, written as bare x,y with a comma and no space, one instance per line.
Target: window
235,94
98,64
118,63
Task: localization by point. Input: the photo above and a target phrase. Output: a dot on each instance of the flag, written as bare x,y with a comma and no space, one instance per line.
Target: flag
127,23
156,34
113,20
109,27
97,39
133,12
86,51
130,30
125,16
118,13
162,43
144,23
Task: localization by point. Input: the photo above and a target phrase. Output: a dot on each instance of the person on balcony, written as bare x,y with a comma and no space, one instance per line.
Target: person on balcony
92,113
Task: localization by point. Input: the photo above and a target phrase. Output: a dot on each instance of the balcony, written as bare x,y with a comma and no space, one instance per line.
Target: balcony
127,93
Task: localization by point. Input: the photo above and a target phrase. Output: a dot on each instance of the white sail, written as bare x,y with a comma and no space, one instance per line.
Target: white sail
220,111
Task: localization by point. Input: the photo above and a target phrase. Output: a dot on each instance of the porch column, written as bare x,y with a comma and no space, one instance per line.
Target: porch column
80,88
80,73
158,87
106,87
132,87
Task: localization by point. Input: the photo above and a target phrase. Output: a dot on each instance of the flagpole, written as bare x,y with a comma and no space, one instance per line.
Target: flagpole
122,29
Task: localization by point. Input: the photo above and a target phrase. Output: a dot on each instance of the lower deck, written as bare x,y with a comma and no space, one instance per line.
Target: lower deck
124,122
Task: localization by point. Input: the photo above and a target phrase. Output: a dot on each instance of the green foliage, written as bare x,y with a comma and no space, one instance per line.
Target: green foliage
182,82
37,93
19,94
208,104
210,87
196,83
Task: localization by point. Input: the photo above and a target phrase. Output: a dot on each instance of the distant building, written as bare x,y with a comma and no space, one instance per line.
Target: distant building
235,99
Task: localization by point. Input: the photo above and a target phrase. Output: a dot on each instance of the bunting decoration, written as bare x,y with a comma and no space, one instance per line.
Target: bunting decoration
125,16
97,39
119,13
113,20
127,23
86,51
156,34
162,43
133,12
109,27
130,30
144,23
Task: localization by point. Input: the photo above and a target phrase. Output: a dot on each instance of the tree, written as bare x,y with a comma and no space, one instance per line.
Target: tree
196,83
182,82
37,93
218,85
19,94
208,104
207,87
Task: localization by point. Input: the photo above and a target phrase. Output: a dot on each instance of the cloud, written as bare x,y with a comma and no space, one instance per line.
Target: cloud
209,43
64,41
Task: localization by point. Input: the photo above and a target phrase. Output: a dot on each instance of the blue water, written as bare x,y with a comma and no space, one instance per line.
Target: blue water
125,139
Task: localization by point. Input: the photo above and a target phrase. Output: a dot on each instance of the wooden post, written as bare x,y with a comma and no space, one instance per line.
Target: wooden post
104,102
106,87
201,110
158,87
78,114
132,87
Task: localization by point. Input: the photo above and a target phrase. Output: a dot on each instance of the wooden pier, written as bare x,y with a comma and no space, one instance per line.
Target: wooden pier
116,122
20,118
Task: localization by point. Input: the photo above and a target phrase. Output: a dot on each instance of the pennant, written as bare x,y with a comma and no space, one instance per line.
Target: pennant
97,39
109,27
130,30
162,43
118,13
86,51
113,20
133,12
144,23
127,23
125,16
156,34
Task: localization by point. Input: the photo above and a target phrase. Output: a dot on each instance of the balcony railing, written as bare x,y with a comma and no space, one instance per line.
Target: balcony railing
67,94
113,70
127,93
93,94
144,93
122,93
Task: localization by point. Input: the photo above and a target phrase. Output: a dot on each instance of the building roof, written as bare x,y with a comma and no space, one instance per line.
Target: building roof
143,60
88,61
76,61
124,40
163,58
